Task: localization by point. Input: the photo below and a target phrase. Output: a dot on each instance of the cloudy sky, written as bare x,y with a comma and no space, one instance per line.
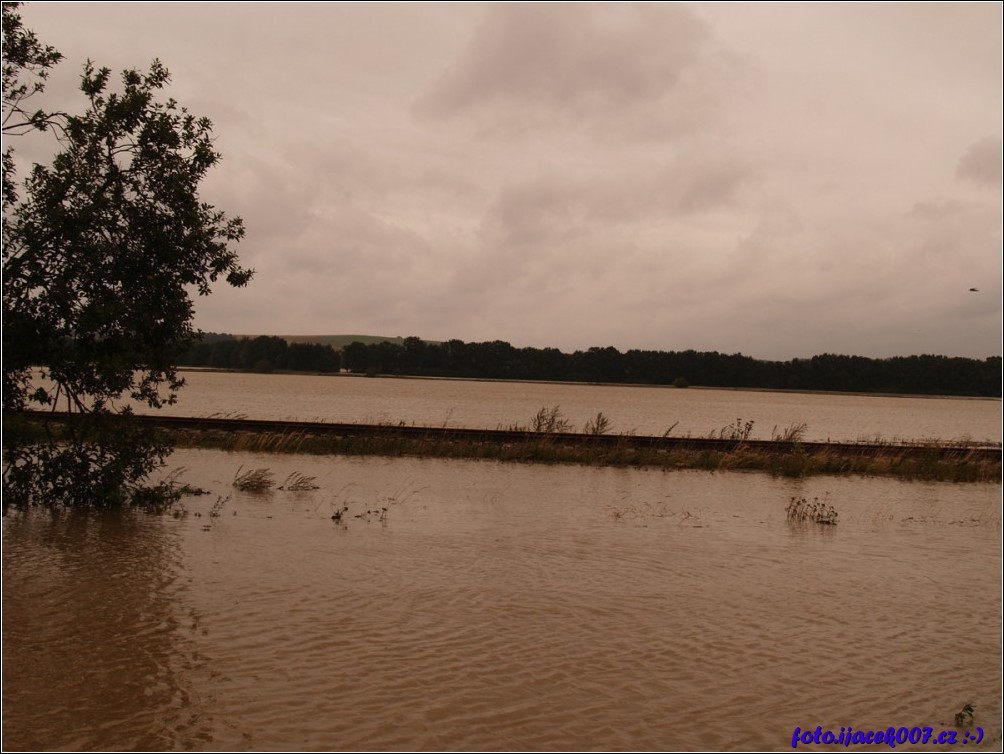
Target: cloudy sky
777,180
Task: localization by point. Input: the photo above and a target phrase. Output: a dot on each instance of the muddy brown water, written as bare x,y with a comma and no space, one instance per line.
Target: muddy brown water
500,607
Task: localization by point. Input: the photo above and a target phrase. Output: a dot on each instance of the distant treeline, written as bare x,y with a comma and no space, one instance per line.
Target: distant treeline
931,375
262,354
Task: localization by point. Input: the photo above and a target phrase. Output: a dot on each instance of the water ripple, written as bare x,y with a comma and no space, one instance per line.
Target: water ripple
503,608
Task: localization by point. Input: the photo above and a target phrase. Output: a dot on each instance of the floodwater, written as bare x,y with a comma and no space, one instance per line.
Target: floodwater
645,410
500,607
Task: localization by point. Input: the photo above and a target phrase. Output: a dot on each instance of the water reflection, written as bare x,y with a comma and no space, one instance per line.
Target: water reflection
95,640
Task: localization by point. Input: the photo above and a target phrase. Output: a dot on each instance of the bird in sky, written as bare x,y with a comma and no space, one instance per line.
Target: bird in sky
974,290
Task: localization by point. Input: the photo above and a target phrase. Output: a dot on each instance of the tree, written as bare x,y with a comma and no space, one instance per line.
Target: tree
23,57
355,356
101,258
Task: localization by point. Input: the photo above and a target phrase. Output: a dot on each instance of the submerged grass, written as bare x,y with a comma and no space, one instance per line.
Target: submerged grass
800,510
963,465
253,480
298,482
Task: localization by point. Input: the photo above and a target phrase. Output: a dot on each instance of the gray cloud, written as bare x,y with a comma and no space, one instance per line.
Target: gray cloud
530,65
982,163
597,228
689,183
770,179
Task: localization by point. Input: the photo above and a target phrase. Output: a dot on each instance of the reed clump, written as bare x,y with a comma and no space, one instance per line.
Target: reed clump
791,433
800,510
254,480
739,431
549,421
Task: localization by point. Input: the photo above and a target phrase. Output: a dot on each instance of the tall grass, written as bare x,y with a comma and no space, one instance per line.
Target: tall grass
739,431
791,433
544,442
908,463
599,425
549,421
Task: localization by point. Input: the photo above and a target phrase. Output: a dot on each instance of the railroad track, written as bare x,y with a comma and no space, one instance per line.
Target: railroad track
448,434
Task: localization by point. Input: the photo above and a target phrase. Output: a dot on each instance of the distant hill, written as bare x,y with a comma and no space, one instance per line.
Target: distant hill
335,341
340,341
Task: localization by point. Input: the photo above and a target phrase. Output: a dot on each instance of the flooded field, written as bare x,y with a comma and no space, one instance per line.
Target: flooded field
500,607
645,410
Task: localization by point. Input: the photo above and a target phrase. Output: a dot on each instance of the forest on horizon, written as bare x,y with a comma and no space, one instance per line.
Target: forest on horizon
497,359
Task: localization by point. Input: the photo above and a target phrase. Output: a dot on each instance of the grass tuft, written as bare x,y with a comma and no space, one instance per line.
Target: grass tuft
217,509
549,421
598,426
297,482
791,433
964,716
739,431
254,480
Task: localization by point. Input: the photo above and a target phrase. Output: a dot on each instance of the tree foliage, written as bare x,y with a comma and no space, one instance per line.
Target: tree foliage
101,258
26,64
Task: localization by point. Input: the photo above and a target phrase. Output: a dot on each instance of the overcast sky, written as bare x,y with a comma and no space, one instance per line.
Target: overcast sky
778,180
